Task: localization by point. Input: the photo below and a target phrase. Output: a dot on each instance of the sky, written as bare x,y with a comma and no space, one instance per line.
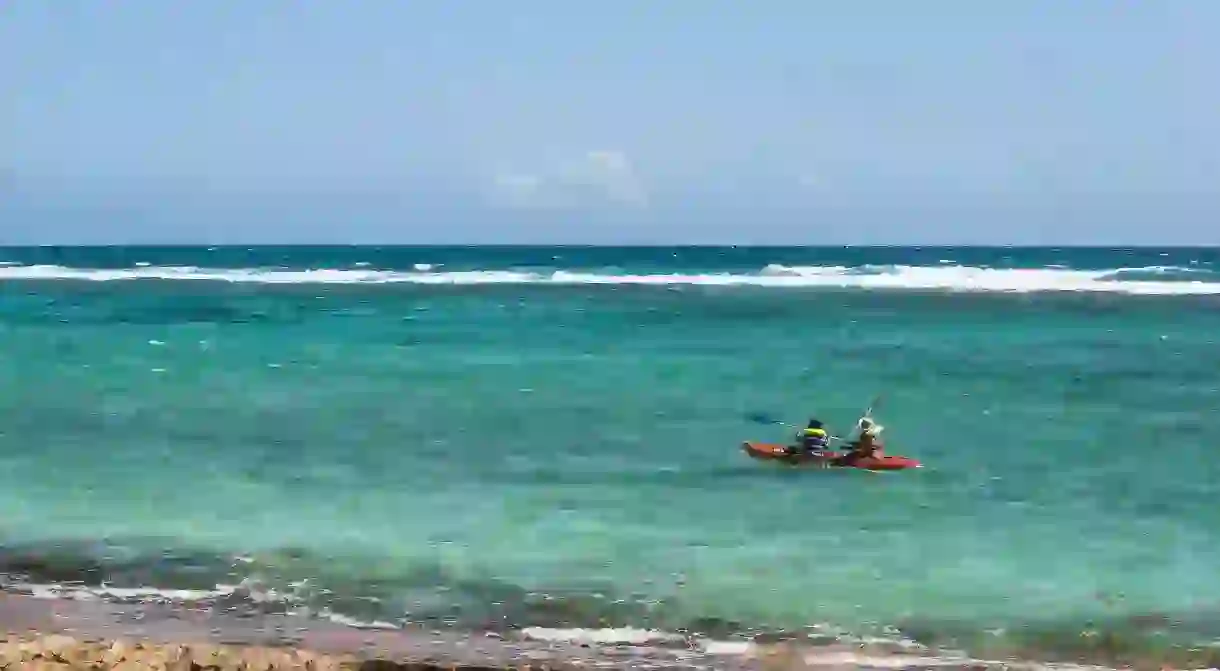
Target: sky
614,122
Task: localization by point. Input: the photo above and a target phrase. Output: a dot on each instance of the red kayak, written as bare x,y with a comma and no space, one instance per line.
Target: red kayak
773,452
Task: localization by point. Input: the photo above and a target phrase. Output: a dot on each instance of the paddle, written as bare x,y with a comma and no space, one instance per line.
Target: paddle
868,412
763,418
760,418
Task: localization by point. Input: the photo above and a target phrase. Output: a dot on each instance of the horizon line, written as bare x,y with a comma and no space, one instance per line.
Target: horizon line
624,245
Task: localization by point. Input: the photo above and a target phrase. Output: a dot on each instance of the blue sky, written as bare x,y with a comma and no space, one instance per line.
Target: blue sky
803,122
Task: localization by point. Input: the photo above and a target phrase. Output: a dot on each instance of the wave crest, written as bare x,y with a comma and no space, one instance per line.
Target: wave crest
1158,280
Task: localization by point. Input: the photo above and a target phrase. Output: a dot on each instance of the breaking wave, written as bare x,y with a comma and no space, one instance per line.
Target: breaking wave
1150,280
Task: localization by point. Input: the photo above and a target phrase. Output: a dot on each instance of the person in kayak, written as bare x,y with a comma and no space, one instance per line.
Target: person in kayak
812,438
867,445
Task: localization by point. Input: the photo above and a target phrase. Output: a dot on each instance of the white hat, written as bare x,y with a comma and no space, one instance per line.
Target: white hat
867,424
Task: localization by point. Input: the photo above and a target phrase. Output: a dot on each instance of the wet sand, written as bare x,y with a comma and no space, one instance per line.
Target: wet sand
70,634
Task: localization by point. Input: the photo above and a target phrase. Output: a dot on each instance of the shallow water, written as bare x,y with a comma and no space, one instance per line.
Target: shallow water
479,440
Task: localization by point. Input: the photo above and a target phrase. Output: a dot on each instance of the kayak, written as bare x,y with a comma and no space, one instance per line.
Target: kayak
779,453
773,452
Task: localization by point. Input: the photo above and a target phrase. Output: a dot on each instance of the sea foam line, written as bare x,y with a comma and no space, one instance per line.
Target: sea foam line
1168,280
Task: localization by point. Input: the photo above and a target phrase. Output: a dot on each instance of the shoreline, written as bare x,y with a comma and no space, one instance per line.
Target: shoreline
83,634
96,634
250,616
151,632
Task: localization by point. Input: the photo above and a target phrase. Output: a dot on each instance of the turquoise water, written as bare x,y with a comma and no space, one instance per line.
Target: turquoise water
551,437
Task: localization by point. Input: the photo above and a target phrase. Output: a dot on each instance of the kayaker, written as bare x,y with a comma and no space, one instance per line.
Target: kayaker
812,438
867,426
867,445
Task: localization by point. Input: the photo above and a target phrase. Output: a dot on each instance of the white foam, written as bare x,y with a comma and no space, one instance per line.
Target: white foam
838,657
247,589
141,594
609,636
949,278
355,623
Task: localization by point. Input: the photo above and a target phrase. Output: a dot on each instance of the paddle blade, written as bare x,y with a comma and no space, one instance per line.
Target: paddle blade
873,406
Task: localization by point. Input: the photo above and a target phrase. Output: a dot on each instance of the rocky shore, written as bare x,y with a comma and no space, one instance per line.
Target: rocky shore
71,634
46,652
41,633
64,652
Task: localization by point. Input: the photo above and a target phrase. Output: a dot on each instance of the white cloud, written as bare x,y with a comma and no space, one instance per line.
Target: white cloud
611,173
518,190
597,177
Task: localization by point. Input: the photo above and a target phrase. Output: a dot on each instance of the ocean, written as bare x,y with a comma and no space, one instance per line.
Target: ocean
549,437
